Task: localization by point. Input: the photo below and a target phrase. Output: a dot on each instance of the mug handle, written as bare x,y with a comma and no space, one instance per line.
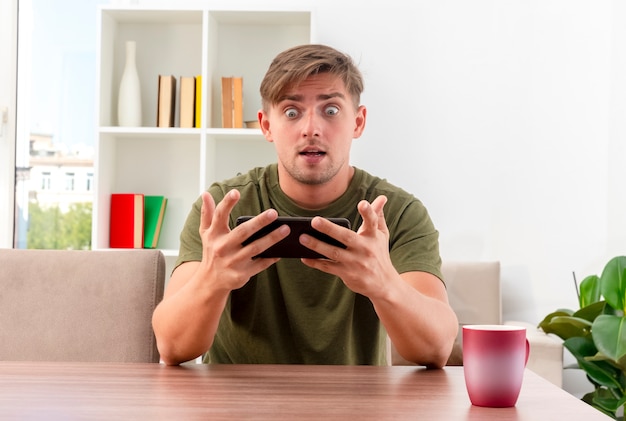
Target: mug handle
527,352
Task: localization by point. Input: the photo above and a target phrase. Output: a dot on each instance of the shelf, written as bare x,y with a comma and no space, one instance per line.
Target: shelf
176,131
222,134
263,17
143,15
148,132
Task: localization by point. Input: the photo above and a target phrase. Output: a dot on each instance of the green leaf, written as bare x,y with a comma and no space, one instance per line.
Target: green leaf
590,398
591,311
609,336
621,402
606,400
560,312
566,327
600,372
621,364
589,291
613,283
618,365
581,347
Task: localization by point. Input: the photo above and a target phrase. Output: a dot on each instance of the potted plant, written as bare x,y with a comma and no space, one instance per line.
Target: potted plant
595,334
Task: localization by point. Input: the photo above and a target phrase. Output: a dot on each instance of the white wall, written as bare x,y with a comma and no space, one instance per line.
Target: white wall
506,119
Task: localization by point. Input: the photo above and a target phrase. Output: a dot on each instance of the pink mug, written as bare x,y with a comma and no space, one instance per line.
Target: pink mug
494,359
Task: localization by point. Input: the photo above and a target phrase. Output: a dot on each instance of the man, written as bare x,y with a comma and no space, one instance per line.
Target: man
339,310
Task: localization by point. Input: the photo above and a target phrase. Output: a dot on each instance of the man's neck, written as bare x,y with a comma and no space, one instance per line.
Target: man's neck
315,196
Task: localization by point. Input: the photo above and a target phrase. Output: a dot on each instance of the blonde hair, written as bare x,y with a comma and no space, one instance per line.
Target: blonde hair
296,64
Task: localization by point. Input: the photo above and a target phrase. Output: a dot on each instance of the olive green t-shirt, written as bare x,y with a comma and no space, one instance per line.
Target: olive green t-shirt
293,314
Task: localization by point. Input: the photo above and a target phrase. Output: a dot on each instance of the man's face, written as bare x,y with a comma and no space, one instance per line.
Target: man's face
312,127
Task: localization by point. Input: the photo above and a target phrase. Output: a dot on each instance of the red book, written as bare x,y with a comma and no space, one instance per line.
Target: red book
126,224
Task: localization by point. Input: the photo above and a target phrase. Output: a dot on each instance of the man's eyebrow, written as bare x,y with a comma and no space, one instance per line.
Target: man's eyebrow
321,97
295,98
331,95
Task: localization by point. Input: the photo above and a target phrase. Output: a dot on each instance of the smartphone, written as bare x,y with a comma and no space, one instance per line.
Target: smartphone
290,246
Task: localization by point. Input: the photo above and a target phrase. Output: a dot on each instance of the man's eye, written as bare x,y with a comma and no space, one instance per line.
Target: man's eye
332,110
291,113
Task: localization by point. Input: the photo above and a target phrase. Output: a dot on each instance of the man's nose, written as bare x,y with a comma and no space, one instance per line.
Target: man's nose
311,124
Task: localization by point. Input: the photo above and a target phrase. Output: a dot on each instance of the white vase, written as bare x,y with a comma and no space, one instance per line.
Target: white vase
129,98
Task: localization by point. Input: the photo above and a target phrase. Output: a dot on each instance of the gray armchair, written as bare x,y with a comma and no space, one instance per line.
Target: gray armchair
58,305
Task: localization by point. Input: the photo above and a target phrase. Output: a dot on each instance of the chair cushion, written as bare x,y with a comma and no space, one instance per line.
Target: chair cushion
58,305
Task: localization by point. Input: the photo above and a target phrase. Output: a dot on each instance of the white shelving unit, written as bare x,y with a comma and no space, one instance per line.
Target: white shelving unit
223,39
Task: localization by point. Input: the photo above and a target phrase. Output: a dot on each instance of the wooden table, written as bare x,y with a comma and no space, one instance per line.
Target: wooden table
151,392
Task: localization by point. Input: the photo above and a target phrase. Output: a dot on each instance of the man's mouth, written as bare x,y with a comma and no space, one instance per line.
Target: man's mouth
313,153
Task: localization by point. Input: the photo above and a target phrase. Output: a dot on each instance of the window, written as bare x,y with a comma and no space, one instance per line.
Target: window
46,180
89,182
55,121
69,181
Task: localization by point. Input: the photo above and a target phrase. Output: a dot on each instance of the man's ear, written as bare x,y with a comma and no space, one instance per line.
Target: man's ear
359,121
264,122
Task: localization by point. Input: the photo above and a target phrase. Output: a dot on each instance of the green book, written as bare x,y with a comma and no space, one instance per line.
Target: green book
154,212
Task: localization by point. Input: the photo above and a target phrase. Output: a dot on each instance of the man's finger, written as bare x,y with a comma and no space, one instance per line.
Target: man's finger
224,208
372,213
206,212
378,206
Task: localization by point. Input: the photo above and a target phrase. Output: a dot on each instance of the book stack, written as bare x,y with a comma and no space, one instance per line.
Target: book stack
232,102
136,220
189,100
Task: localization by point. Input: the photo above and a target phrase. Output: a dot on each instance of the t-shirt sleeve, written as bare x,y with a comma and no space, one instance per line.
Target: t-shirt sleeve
414,245
190,241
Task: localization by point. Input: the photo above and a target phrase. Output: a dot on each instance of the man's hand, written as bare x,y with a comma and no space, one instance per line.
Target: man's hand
365,265
224,258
